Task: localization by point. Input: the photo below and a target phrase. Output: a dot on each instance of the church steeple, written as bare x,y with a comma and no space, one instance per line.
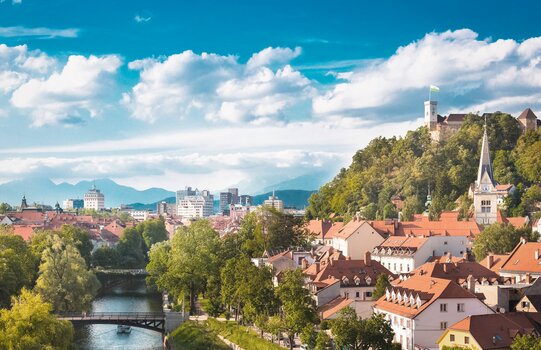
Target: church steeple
485,176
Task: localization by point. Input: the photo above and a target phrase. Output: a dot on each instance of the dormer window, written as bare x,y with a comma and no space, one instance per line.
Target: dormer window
368,280
387,294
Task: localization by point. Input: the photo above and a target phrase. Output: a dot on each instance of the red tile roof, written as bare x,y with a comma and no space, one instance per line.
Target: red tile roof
333,307
353,226
25,231
525,258
497,331
457,271
318,228
426,289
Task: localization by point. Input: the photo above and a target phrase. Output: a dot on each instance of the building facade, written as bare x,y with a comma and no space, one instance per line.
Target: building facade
94,199
71,204
198,205
274,202
485,193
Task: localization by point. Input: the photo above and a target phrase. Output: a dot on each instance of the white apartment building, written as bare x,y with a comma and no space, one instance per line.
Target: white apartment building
200,205
402,254
274,202
94,199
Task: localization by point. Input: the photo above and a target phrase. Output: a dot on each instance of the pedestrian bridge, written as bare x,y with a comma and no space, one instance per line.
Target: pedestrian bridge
163,322
121,272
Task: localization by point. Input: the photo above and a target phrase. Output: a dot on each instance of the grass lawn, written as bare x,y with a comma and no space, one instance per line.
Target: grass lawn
248,340
196,336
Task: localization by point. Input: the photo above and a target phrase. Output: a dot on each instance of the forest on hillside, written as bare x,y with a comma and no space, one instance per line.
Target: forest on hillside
412,165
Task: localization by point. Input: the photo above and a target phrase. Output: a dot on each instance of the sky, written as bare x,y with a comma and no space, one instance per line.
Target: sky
213,94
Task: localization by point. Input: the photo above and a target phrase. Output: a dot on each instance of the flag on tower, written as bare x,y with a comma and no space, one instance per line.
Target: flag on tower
434,88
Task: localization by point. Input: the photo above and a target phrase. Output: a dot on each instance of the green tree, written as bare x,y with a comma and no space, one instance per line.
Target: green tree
382,283
497,238
5,207
64,280
17,266
323,341
131,248
354,333
526,342
153,231
80,239
298,308
309,337
192,259
106,257
29,325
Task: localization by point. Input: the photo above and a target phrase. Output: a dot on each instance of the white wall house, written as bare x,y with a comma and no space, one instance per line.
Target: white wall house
401,254
356,238
199,205
421,308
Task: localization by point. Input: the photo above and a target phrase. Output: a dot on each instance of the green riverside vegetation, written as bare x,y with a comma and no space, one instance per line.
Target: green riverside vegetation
192,335
240,335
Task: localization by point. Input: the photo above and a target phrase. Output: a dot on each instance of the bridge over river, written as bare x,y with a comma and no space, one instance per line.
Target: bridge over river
163,322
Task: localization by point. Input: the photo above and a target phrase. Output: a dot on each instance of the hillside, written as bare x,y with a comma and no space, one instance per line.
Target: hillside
410,166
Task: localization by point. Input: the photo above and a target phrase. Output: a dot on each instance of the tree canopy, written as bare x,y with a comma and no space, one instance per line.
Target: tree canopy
499,238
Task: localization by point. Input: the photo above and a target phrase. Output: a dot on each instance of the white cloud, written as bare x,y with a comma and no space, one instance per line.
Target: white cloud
217,87
141,19
79,88
463,66
39,32
16,2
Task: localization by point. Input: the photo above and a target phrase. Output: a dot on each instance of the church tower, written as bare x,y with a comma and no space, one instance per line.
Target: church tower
485,196
431,114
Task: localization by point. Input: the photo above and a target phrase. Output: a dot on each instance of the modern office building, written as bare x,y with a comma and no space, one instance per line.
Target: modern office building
73,204
274,202
197,205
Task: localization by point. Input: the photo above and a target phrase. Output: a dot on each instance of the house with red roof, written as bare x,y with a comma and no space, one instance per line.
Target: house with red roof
491,331
356,238
402,254
422,307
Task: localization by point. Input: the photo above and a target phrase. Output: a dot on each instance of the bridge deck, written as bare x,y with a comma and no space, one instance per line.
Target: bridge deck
149,320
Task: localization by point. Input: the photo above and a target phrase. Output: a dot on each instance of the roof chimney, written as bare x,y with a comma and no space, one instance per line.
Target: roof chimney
317,267
536,254
367,259
471,284
445,267
490,261
522,240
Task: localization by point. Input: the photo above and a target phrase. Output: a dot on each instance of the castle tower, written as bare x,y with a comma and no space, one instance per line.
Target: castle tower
485,196
431,114
527,120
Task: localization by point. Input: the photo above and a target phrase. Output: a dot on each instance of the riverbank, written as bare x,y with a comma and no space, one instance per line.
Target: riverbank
192,335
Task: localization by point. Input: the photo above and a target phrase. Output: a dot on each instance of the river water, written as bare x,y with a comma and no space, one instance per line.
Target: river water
128,295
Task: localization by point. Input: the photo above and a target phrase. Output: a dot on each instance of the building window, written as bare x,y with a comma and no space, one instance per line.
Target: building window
460,307
443,307
451,337
368,294
445,242
400,267
485,206
443,325
466,340
357,294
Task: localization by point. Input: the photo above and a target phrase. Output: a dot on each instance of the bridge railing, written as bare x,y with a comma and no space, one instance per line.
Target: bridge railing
112,315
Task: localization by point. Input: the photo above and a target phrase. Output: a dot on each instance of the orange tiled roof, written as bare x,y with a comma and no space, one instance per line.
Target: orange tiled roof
457,271
497,262
424,290
353,226
25,231
448,225
333,306
349,272
497,331
523,258
318,228
333,230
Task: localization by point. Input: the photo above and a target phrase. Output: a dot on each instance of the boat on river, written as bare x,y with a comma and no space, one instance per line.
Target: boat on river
123,329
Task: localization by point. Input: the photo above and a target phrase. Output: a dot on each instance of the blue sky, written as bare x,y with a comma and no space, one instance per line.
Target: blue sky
249,93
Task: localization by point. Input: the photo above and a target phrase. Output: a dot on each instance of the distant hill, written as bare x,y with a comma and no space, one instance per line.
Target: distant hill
292,198
307,182
42,190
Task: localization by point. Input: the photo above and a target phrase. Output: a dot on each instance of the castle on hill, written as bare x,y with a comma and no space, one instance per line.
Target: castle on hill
441,128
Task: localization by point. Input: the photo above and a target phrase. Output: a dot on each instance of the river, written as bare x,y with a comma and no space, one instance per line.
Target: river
127,295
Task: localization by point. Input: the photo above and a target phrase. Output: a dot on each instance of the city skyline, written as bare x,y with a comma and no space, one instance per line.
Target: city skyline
248,95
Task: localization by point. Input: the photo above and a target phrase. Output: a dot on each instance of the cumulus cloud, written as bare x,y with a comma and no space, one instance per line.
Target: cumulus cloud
65,96
217,87
468,70
38,32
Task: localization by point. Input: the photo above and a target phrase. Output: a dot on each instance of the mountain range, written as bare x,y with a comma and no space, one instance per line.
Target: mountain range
42,190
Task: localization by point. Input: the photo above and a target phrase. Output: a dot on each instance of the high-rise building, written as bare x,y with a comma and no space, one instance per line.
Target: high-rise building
274,202
234,195
246,200
225,201
70,204
94,199
196,204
